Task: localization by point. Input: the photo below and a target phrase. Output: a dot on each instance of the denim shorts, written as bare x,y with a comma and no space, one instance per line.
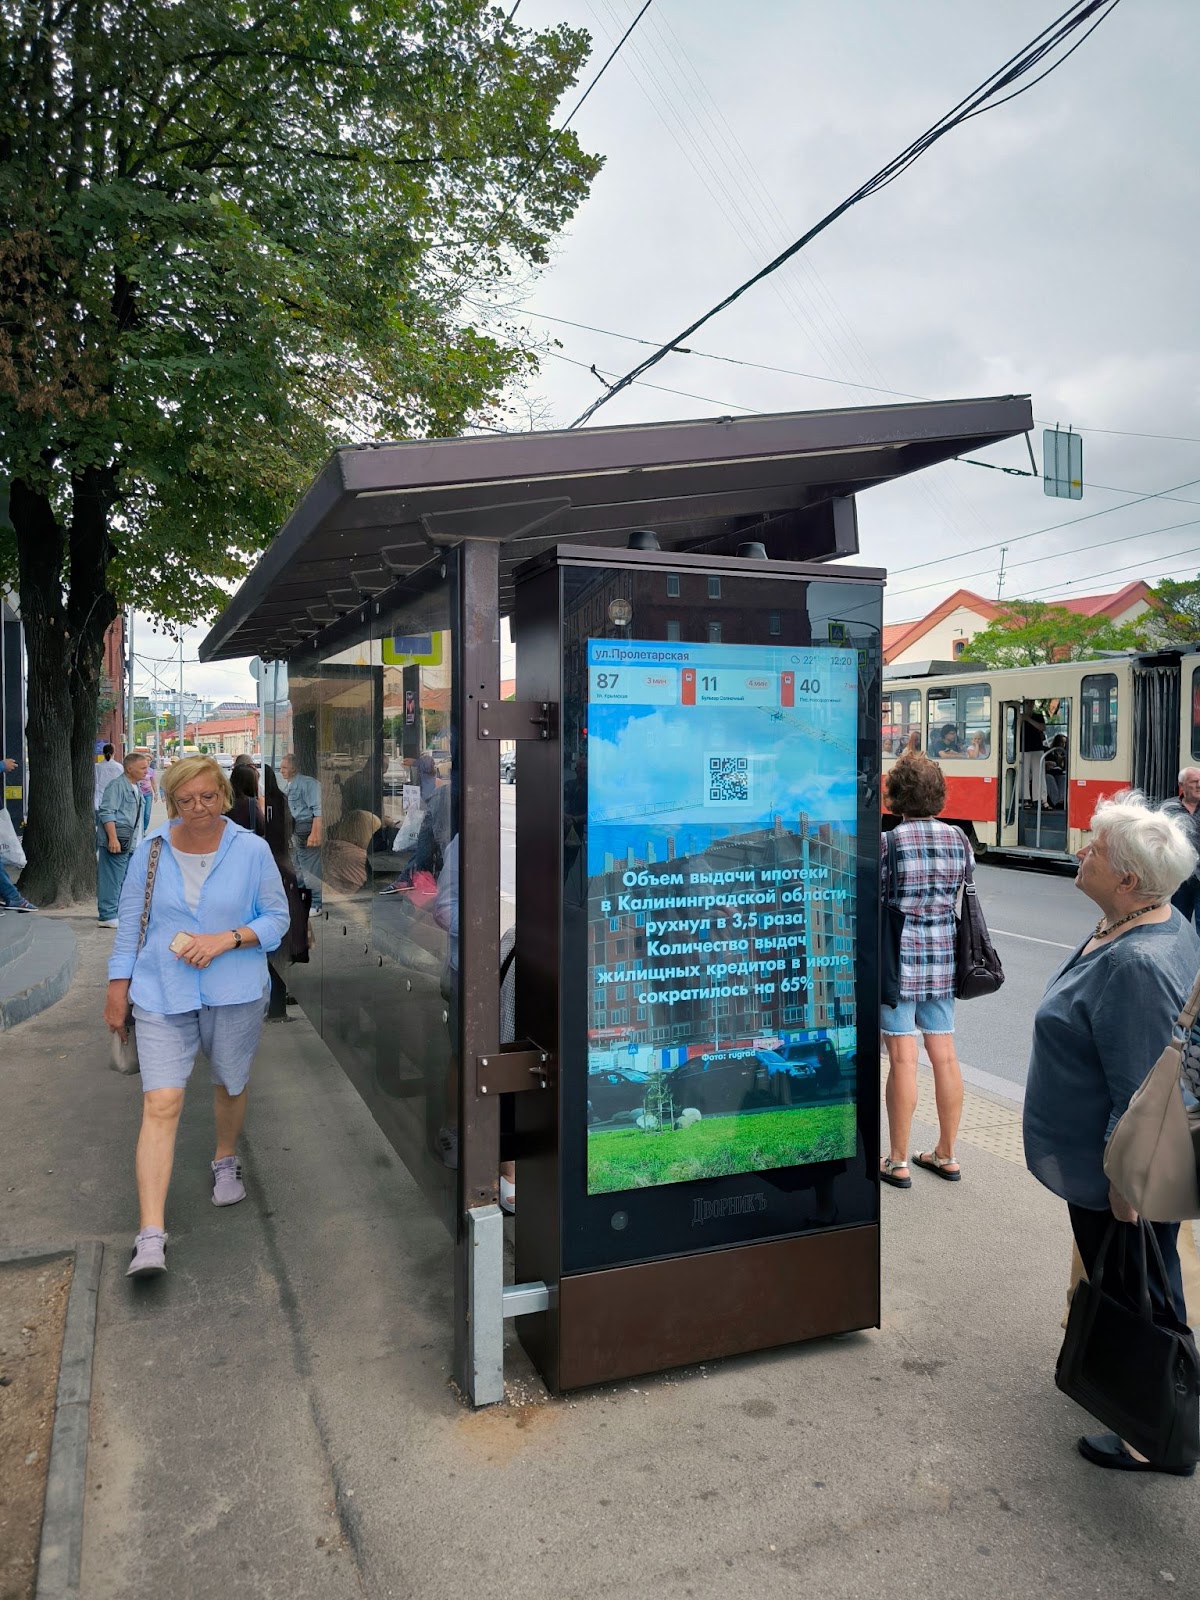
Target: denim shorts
228,1035
911,1017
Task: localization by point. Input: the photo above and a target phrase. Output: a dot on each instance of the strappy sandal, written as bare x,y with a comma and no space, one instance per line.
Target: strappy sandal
888,1170
932,1162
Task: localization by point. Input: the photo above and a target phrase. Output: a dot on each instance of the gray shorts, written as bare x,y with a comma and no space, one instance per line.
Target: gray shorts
228,1035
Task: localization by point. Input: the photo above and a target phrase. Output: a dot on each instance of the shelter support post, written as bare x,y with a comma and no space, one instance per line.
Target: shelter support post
479,1256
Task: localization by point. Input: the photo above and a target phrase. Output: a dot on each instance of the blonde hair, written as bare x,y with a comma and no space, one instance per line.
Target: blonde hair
184,771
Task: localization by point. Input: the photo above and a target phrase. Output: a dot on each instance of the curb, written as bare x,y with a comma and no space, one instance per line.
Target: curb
61,1549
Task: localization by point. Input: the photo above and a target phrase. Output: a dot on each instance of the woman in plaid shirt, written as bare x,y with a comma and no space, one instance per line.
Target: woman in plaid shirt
932,863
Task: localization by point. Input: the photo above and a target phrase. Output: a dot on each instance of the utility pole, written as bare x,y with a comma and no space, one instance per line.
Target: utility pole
179,743
130,735
1000,579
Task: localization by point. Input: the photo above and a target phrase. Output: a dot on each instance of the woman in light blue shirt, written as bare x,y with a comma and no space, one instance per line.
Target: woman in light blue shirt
197,980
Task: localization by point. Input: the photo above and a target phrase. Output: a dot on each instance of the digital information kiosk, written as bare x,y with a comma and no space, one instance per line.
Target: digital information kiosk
697,914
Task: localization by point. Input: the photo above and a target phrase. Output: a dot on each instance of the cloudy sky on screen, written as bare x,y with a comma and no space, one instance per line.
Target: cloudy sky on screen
649,766
1048,247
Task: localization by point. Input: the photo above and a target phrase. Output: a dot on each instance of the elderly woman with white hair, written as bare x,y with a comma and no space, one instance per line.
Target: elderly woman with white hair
1106,1015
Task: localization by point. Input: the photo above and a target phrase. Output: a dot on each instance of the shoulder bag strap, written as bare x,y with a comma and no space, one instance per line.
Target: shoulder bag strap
1187,1016
151,873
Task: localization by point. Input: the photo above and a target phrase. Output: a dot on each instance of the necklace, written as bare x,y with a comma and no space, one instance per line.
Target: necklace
1102,931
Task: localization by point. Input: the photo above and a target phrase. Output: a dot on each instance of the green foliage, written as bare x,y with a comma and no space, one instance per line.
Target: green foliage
235,236
1174,623
1028,633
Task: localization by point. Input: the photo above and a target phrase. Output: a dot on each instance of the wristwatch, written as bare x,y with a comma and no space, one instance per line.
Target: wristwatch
237,938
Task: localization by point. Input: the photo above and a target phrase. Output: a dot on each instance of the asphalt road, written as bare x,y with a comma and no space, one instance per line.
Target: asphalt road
1036,916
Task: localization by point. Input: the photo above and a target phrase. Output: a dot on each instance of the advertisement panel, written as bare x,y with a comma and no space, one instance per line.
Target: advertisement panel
720,792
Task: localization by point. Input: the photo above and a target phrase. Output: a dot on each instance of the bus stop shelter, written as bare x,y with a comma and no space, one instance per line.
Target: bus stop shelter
376,615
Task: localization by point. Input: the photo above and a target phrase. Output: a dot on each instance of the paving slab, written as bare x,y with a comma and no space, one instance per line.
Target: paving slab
276,1417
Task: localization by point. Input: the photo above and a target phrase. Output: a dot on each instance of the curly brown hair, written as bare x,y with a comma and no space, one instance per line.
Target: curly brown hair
915,787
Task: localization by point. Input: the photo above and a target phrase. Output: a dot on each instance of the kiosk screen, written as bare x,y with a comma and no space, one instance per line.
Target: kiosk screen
721,805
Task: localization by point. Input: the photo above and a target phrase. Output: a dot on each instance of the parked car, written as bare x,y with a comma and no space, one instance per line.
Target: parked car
618,1092
508,767
724,1083
815,1060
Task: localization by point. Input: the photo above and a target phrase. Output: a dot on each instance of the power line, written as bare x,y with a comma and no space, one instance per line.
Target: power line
1059,555
1070,522
611,58
842,383
971,105
733,361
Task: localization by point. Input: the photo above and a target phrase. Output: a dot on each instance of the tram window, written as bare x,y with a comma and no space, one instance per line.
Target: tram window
960,722
901,720
1195,713
1098,717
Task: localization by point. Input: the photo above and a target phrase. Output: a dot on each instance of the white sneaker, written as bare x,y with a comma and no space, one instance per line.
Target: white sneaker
108,922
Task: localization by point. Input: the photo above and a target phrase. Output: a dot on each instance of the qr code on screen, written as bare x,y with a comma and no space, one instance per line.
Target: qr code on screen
727,780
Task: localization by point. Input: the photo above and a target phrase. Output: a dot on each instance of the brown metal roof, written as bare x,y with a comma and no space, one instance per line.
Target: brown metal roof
378,512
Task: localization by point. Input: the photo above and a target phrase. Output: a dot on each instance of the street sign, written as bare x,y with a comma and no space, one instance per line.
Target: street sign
1062,464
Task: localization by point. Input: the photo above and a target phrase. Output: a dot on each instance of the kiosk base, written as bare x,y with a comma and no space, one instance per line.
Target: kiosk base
625,1321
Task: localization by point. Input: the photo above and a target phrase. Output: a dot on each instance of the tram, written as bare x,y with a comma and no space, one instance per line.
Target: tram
1028,751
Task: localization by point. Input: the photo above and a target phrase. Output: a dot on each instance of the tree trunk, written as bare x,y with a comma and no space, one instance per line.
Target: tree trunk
64,645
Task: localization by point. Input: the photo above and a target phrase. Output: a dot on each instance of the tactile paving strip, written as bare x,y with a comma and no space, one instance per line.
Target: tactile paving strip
987,1123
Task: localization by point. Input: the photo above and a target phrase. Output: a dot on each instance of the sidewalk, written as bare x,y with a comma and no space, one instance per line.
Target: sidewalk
274,1418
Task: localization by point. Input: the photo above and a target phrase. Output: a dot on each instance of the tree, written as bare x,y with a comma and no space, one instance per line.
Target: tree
1028,633
1174,621
231,238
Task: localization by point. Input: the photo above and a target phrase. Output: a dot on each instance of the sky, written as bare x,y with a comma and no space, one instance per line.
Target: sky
1046,248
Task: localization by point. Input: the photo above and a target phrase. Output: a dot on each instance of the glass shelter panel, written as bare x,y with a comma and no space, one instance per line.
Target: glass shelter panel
901,721
721,817
370,722
960,722
1098,717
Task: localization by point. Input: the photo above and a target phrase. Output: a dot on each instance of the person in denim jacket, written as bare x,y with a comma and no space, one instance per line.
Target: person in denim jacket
198,980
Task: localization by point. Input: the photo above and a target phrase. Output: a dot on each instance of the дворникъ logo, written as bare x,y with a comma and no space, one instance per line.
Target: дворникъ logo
732,1205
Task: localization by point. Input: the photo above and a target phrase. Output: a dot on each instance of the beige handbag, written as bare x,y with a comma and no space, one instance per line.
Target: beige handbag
1151,1154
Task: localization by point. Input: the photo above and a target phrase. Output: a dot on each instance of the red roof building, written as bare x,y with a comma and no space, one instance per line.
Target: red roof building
943,633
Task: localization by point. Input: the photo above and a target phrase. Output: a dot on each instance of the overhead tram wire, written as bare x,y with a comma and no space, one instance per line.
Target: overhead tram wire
735,188
1056,555
1069,522
843,383
1137,496
613,54
971,105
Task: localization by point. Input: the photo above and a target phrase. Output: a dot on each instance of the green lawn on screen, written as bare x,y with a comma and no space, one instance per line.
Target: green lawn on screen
627,1158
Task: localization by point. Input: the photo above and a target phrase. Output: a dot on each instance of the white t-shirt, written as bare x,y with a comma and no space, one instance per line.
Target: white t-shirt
106,771
195,869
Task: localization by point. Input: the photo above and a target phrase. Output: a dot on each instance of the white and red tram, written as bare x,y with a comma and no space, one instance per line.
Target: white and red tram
1114,723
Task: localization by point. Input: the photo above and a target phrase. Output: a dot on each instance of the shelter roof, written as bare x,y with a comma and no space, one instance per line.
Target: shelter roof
376,513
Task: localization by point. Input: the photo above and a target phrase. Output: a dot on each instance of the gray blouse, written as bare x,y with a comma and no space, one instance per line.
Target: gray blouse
1102,1024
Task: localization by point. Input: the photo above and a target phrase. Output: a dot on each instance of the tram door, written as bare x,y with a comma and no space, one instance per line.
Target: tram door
1034,781
1008,790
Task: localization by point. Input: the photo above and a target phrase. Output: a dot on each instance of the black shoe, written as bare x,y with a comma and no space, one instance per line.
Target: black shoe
1106,1450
